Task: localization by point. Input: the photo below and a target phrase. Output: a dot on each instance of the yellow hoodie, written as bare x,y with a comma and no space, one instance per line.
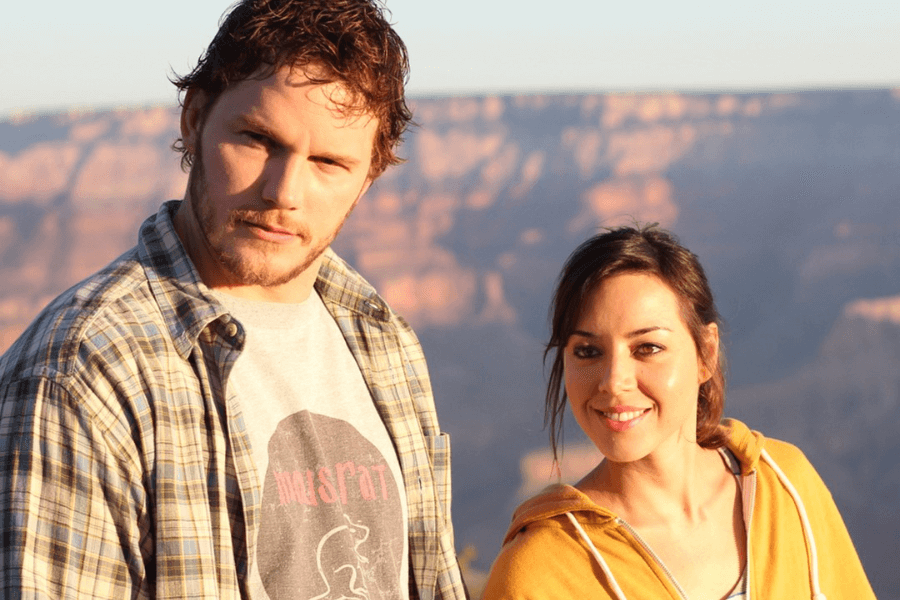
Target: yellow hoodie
562,545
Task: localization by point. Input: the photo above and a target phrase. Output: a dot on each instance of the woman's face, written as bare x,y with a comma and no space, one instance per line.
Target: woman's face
632,369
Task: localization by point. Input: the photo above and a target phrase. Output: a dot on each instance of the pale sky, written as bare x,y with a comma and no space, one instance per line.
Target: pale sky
106,53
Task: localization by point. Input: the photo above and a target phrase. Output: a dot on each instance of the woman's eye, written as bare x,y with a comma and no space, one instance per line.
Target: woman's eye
585,351
648,349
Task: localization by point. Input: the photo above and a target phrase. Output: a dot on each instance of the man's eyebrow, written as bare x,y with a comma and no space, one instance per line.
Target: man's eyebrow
257,125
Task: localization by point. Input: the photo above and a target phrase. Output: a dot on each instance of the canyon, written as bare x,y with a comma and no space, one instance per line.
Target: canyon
790,200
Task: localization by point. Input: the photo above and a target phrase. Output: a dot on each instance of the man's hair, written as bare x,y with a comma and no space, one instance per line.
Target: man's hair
349,41
655,252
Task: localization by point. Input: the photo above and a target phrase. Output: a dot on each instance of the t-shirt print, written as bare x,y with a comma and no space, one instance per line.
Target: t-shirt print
331,524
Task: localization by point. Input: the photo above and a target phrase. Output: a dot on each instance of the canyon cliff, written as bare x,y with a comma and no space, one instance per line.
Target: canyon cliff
789,199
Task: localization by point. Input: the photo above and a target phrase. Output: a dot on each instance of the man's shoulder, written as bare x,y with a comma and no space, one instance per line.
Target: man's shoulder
340,284
338,280
93,312
137,304
348,296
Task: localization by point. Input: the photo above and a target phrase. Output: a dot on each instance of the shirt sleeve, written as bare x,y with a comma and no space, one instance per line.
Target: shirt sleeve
71,517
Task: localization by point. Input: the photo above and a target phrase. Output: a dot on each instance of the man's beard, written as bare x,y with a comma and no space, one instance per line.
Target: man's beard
259,272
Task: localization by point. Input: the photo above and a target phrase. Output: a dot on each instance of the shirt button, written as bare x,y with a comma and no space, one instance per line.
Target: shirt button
231,330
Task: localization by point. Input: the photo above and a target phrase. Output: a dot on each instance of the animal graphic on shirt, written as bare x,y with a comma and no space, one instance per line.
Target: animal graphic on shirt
343,580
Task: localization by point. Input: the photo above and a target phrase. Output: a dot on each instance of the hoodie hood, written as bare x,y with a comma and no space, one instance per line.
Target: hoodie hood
747,445
555,501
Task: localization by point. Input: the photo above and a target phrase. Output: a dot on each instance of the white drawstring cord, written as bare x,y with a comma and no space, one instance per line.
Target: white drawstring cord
804,520
612,580
807,528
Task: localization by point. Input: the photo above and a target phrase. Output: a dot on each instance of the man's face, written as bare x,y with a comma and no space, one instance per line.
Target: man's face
279,165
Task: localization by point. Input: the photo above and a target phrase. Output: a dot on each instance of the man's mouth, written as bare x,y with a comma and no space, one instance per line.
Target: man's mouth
270,228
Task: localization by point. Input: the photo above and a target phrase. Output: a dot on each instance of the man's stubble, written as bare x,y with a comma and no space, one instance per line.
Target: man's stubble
244,272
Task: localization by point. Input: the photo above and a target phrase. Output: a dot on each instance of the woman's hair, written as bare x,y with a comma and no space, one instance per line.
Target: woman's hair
349,41
629,250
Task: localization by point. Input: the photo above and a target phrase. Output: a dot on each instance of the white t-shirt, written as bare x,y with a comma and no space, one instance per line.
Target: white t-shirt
334,517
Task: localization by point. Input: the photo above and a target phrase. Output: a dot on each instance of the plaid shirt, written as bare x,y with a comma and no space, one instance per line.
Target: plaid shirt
126,469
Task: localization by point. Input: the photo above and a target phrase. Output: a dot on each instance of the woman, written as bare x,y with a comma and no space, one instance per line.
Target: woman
683,505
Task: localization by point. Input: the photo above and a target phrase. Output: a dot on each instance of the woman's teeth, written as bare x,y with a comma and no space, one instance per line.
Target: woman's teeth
623,416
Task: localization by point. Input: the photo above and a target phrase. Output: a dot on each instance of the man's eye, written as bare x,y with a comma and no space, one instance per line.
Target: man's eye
327,162
257,138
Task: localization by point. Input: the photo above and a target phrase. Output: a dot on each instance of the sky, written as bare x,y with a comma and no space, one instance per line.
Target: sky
56,54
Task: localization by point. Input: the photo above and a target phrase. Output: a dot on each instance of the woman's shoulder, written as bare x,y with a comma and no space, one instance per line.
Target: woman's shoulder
548,510
541,523
542,550
777,462
787,455
750,447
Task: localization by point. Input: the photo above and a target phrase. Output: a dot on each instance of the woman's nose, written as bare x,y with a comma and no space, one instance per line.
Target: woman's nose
619,375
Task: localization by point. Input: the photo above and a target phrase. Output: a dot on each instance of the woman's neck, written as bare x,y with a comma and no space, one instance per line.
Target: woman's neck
669,489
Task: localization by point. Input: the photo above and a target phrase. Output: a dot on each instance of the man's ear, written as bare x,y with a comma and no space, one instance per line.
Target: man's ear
192,119
709,357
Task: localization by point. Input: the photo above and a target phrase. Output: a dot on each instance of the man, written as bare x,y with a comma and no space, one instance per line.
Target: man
228,410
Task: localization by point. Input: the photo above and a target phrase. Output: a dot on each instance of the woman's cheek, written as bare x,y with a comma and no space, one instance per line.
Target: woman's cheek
580,379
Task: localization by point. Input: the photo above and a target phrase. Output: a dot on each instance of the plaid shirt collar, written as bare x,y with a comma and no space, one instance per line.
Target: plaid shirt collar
187,304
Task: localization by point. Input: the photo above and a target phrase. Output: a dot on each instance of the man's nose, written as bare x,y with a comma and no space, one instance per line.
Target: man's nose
285,183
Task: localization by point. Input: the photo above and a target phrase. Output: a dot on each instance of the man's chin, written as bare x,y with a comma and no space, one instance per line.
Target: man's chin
263,272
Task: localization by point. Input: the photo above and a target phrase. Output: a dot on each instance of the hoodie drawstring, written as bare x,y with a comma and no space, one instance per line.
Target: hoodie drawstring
807,528
596,554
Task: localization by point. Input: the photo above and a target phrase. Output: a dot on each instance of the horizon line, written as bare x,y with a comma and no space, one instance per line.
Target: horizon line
20,115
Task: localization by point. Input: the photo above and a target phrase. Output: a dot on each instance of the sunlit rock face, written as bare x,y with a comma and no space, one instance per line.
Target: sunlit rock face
75,187
790,201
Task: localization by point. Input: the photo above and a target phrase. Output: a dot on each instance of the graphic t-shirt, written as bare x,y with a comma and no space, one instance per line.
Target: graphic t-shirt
334,518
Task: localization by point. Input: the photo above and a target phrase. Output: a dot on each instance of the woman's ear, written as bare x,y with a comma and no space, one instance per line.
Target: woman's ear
709,354
192,116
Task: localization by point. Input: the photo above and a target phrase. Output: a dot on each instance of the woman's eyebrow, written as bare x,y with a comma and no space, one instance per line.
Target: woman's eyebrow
583,333
643,330
630,334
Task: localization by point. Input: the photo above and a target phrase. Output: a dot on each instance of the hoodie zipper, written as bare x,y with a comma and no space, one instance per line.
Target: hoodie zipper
653,555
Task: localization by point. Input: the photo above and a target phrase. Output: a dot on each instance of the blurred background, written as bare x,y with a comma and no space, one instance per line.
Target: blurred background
766,135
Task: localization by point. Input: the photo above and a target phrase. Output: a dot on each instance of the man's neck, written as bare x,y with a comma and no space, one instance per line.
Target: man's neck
294,292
